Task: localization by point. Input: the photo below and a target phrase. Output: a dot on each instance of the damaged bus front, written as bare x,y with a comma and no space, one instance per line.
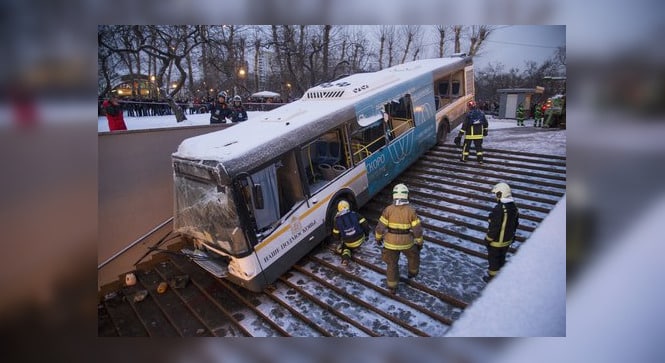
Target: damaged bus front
210,208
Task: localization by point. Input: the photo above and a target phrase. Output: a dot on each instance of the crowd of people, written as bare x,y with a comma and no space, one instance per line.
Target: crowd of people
141,107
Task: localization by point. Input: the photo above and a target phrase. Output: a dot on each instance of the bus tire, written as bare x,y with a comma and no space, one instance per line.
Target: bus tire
330,220
442,133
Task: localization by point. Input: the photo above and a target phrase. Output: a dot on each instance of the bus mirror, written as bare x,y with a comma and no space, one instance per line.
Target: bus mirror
258,196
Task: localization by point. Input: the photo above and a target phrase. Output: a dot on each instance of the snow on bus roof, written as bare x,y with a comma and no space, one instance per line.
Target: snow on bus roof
243,137
249,142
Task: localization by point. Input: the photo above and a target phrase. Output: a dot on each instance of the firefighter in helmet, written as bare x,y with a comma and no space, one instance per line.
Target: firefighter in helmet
401,232
520,115
539,115
350,230
239,113
473,129
503,222
220,110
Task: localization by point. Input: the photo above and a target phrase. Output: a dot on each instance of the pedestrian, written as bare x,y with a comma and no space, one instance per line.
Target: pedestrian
520,115
473,129
114,114
220,110
350,230
401,232
503,222
239,113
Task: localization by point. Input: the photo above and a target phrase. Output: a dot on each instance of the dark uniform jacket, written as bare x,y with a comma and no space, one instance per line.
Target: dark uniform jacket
401,226
219,113
475,125
239,114
351,228
503,222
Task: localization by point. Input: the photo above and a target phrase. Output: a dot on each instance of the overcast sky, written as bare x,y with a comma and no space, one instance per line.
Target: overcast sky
513,45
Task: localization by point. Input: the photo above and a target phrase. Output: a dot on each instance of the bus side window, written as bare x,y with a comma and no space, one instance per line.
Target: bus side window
401,120
456,88
321,158
442,98
288,183
365,141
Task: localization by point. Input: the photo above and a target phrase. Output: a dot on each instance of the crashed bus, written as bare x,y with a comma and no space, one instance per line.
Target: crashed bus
256,197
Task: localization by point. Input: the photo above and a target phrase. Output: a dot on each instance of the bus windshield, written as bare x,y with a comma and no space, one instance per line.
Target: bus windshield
206,211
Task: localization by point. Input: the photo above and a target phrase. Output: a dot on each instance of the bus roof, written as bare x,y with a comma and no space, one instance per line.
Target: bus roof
251,143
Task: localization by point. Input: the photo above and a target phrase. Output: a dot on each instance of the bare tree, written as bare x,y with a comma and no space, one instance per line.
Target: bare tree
107,60
478,35
172,45
560,56
388,39
326,51
410,34
441,31
457,32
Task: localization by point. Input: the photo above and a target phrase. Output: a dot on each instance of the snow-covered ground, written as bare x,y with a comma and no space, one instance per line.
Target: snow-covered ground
528,298
157,122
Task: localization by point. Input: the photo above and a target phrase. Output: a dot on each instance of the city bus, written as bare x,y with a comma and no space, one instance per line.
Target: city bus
256,197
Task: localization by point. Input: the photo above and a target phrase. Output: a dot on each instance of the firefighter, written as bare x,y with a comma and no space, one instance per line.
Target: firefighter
349,227
538,115
520,115
401,232
239,113
474,129
220,112
503,222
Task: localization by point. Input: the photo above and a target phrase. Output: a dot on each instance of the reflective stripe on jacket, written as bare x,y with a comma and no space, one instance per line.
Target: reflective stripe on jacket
503,222
351,228
474,125
399,227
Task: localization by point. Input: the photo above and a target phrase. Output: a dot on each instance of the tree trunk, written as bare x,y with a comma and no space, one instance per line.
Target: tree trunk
177,110
457,30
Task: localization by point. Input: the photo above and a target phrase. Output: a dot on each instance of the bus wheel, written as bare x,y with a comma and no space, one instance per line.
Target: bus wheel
442,134
330,220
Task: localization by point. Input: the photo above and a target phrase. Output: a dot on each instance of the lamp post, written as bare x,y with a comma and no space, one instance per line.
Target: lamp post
241,75
288,92
154,87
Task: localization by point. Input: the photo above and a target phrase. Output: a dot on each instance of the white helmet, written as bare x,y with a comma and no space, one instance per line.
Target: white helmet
502,190
222,94
237,98
400,191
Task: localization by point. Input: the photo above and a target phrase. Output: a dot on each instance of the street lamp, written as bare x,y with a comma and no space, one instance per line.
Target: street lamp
241,75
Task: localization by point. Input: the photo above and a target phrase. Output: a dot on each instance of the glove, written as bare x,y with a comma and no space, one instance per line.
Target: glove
379,242
457,140
419,246
485,132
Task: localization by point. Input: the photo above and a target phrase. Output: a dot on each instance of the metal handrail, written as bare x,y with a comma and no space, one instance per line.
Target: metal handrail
117,254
